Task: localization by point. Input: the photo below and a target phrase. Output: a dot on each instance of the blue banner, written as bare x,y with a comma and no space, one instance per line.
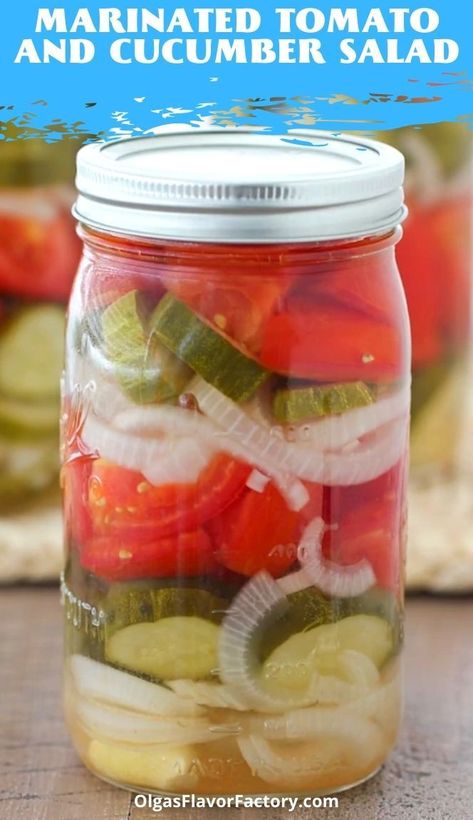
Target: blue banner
406,73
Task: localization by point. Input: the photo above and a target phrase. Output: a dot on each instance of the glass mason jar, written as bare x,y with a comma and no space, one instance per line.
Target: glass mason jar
39,253
235,429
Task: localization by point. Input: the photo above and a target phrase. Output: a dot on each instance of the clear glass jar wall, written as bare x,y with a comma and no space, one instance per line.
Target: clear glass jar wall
39,253
435,259
235,427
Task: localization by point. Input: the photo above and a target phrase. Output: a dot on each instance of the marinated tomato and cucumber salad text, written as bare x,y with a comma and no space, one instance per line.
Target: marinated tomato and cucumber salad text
234,458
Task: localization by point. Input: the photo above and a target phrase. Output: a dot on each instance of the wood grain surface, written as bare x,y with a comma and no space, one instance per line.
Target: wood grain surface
430,776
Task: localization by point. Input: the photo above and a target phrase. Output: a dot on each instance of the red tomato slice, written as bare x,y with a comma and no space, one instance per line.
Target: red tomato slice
259,531
331,344
237,309
181,555
424,286
341,501
38,259
451,233
363,285
372,531
122,499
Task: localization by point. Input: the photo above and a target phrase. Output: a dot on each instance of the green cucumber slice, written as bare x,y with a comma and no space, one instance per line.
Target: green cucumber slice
21,420
128,604
26,469
380,602
31,354
171,648
146,370
290,665
206,351
310,608
293,405
306,609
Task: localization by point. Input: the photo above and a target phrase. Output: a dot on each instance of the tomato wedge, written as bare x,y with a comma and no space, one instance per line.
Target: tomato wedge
371,531
237,309
451,233
181,555
331,343
418,256
122,500
362,285
259,531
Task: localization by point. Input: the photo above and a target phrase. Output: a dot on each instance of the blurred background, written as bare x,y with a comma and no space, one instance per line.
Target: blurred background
39,252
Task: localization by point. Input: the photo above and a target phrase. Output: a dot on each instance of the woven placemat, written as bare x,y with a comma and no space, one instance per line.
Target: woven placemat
440,540
31,544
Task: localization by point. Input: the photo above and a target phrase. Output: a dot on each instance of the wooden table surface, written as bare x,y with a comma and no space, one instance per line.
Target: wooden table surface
429,776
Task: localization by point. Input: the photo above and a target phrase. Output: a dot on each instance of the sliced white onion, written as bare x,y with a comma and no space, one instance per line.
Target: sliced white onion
260,598
374,457
292,490
152,420
303,724
112,723
105,398
257,481
382,705
210,694
334,432
161,460
98,681
338,743
268,452
332,579
187,458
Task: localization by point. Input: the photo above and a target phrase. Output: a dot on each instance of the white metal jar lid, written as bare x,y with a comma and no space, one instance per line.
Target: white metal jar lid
238,186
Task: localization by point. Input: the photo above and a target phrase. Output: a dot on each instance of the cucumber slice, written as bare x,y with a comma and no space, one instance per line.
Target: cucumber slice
318,649
375,601
26,469
146,370
127,605
310,608
31,354
306,609
177,647
205,351
293,405
163,767
19,419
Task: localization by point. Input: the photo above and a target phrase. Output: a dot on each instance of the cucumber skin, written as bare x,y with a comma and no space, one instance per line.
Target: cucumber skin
146,374
299,404
206,351
127,605
310,608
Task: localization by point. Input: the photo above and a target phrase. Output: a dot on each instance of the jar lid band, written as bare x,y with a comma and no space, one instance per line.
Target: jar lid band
236,186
